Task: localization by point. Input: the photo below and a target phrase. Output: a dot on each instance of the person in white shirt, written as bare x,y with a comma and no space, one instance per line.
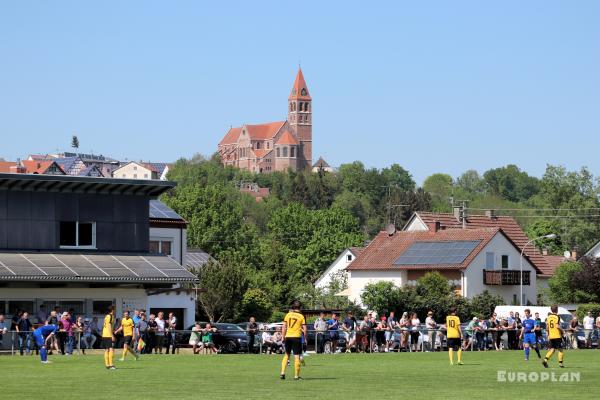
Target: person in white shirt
267,341
171,330
431,326
160,332
588,329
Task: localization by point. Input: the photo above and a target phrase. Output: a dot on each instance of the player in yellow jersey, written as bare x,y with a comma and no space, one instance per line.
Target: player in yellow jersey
454,337
108,338
555,335
294,325
127,326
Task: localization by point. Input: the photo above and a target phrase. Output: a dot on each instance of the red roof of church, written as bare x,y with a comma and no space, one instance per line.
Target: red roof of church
299,84
231,136
260,153
264,131
287,138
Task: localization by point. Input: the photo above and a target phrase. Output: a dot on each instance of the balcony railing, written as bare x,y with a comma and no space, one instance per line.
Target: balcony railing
505,277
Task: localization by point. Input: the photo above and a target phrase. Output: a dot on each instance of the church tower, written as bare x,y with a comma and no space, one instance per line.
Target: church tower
300,119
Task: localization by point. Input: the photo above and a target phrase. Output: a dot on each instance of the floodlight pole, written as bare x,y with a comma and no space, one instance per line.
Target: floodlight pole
549,236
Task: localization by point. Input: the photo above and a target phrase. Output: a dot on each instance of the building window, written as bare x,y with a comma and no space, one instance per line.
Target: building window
124,176
300,106
292,151
16,305
285,152
349,257
101,306
504,261
145,176
134,176
278,152
161,247
135,167
75,234
268,145
489,260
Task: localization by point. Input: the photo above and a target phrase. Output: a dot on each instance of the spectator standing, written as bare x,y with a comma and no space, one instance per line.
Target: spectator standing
598,330
389,335
42,314
469,333
415,323
3,328
152,329
23,327
404,331
380,330
251,331
333,326
66,334
588,329
539,336
511,331
172,324
320,326
161,327
53,320
572,333
349,327
492,327
78,330
481,334
143,333
431,326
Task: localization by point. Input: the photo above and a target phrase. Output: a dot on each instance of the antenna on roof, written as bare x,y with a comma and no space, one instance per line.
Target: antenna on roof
390,229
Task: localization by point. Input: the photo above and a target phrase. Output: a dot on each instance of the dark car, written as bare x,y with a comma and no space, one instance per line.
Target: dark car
327,347
229,338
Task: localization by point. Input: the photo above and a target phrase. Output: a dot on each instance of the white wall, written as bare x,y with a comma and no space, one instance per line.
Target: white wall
416,225
175,299
177,237
499,245
132,171
338,265
358,279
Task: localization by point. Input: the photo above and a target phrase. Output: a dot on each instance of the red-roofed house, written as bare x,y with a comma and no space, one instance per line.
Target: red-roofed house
464,256
142,170
47,167
274,146
338,267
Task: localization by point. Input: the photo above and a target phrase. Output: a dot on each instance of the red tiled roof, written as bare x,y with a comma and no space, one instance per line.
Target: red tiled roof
385,249
509,226
356,250
260,153
552,262
264,131
287,138
231,136
38,167
5,166
299,84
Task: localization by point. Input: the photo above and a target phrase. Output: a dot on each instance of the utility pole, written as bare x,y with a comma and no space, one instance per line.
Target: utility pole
389,205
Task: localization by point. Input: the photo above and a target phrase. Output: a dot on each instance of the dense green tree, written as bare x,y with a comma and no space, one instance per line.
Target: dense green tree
440,187
397,177
483,304
471,182
542,227
586,280
561,287
511,183
256,303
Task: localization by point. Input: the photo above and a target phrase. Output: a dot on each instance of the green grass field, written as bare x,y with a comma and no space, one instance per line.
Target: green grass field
422,375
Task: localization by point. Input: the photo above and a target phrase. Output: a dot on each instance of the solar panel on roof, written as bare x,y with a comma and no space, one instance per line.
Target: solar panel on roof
436,253
161,211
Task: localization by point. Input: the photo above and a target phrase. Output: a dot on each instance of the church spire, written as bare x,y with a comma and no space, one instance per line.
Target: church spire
299,90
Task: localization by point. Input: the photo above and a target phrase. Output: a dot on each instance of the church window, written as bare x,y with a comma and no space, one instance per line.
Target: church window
292,151
278,152
300,106
285,152
303,92
257,145
293,106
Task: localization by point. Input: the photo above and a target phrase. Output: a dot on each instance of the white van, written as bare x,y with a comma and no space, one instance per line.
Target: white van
504,311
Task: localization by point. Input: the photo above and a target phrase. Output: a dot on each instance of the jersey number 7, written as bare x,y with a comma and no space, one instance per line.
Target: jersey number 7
293,322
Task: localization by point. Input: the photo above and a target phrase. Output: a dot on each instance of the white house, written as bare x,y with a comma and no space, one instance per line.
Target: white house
473,260
337,267
594,252
142,170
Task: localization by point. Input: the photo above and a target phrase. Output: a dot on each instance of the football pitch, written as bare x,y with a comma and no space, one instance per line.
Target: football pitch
419,375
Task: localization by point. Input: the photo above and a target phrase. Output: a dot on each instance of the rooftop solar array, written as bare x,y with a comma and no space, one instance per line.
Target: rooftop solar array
92,267
196,259
437,253
160,210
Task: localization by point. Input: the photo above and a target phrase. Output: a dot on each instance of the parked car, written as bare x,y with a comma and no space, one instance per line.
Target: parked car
229,338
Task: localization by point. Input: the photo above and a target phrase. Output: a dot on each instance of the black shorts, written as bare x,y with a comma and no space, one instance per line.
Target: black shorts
127,340
107,343
293,344
453,343
556,343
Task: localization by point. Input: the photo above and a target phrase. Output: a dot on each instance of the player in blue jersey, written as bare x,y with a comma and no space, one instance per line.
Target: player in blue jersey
41,336
528,335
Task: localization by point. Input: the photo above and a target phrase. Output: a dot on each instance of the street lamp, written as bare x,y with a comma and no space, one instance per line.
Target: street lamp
549,236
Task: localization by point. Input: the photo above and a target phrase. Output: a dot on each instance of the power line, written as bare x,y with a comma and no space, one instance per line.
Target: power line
535,209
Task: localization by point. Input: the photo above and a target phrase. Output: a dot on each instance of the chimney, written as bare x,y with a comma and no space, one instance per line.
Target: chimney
434,226
490,214
545,251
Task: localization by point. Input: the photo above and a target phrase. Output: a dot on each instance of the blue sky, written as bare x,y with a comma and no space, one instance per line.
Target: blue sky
434,86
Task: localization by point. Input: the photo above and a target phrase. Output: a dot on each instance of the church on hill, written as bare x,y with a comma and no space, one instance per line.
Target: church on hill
274,146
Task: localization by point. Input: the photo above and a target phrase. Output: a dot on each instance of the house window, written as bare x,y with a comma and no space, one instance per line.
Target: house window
134,176
349,257
285,152
145,176
489,260
268,145
257,145
161,247
124,176
75,234
504,261
135,167
278,152
292,151
25,305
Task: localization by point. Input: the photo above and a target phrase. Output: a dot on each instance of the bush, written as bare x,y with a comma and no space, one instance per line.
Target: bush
277,316
583,309
483,304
